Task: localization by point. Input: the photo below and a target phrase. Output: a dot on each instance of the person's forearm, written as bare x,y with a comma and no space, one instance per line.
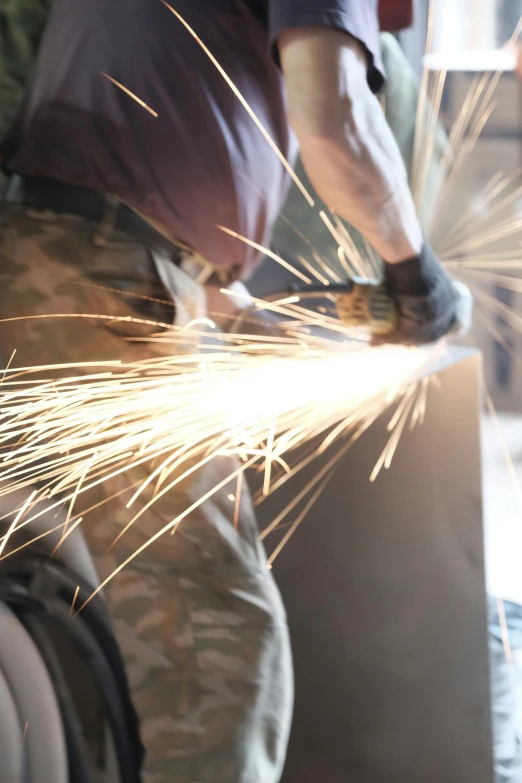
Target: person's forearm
360,176
347,147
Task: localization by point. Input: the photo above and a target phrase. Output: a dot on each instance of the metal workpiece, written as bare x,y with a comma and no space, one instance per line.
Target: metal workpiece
385,593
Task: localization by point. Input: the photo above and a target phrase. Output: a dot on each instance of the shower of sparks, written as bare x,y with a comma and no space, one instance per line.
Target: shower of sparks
263,401
130,94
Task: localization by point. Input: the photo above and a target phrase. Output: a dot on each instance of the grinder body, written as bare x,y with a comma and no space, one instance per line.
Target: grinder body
366,304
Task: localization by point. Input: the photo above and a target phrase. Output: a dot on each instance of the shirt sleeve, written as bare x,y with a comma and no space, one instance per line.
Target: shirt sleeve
358,17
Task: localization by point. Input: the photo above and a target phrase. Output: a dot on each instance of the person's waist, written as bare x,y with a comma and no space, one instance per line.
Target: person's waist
108,212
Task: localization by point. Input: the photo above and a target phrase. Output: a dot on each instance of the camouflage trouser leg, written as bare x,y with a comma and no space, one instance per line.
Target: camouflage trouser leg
197,615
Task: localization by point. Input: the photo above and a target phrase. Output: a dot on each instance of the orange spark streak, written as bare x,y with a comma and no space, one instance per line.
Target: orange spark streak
267,252
66,534
279,548
15,521
74,601
130,94
238,500
269,457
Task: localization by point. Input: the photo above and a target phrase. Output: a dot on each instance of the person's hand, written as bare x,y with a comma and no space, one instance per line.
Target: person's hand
427,300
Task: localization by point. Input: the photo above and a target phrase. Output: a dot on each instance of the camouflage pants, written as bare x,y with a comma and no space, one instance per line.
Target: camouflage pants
198,617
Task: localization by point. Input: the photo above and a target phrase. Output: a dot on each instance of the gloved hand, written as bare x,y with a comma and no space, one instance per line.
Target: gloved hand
427,299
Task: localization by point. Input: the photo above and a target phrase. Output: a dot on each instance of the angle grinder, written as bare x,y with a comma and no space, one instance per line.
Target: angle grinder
366,304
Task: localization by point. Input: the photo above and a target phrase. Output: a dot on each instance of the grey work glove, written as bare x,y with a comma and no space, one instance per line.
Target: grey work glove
427,300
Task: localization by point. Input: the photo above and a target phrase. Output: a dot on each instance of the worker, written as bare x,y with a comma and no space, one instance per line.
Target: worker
129,151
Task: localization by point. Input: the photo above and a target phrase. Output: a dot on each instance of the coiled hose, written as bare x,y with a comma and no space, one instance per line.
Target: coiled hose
41,591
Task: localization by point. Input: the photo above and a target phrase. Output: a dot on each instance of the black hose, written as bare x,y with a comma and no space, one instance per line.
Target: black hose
80,770
44,747
11,736
37,585
43,577
108,691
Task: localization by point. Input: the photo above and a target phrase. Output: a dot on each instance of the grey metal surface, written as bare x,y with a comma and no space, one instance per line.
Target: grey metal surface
385,593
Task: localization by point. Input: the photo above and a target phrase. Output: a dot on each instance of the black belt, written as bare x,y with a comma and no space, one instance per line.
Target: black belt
105,210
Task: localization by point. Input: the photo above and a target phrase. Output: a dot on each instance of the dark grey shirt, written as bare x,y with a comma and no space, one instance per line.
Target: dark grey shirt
201,162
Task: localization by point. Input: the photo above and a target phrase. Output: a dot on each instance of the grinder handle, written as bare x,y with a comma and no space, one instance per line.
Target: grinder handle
369,306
